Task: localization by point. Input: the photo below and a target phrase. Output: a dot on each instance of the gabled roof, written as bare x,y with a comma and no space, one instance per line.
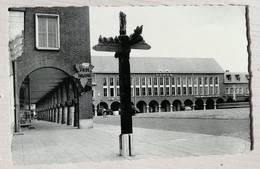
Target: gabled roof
236,77
109,64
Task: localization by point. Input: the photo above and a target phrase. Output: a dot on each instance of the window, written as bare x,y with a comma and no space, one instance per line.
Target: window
196,86
206,82
104,81
211,85
47,31
211,80
111,85
105,92
173,86
241,90
143,80
117,87
167,86
216,80
247,90
190,85
105,86
149,83
178,85
184,85
161,81
216,85
227,90
155,86
201,88
137,86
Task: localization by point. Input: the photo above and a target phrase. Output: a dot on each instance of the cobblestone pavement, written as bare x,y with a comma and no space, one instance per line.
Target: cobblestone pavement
51,143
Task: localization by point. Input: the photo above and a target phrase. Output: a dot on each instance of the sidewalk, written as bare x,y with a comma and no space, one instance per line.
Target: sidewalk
52,143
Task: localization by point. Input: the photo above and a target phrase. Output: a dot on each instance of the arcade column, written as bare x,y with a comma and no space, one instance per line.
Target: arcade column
147,109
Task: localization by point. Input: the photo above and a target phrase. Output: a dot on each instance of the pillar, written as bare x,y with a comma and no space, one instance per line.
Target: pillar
147,109
95,111
65,113
171,107
215,105
159,108
193,106
60,115
204,106
71,115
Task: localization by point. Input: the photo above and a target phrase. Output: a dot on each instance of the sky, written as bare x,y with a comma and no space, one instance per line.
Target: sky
180,31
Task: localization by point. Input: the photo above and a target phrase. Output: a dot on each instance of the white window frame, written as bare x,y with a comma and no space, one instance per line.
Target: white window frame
143,86
149,85
58,31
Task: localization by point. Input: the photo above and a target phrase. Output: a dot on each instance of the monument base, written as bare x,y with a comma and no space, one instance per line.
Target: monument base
126,145
86,123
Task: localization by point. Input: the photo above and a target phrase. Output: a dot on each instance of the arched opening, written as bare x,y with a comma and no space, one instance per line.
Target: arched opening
177,105
165,106
115,106
247,100
199,104
101,107
229,100
49,94
210,104
154,106
141,105
188,104
219,100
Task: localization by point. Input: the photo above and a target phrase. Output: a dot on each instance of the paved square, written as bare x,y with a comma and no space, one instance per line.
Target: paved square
51,143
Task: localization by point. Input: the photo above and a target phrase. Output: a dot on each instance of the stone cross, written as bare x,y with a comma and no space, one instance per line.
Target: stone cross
122,46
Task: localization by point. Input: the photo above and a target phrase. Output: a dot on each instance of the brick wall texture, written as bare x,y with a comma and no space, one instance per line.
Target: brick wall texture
74,47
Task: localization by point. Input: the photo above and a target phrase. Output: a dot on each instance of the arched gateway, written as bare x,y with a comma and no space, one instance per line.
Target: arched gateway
54,70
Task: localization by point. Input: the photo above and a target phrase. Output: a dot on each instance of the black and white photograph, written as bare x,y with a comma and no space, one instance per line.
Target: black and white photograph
94,84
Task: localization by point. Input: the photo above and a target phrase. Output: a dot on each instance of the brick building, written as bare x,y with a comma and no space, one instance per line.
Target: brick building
47,72
236,86
161,84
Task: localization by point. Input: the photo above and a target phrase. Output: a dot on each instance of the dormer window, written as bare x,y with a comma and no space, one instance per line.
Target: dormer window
247,77
237,77
229,77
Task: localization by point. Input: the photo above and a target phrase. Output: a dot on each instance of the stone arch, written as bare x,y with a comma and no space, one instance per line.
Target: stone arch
154,105
220,100
199,104
188,102
115,106
141,105
165,106
229,100
47,83
210,104
247,100
177,104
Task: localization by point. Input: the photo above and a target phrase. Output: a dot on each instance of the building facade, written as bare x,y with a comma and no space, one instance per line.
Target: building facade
54,53
236,86
161,84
